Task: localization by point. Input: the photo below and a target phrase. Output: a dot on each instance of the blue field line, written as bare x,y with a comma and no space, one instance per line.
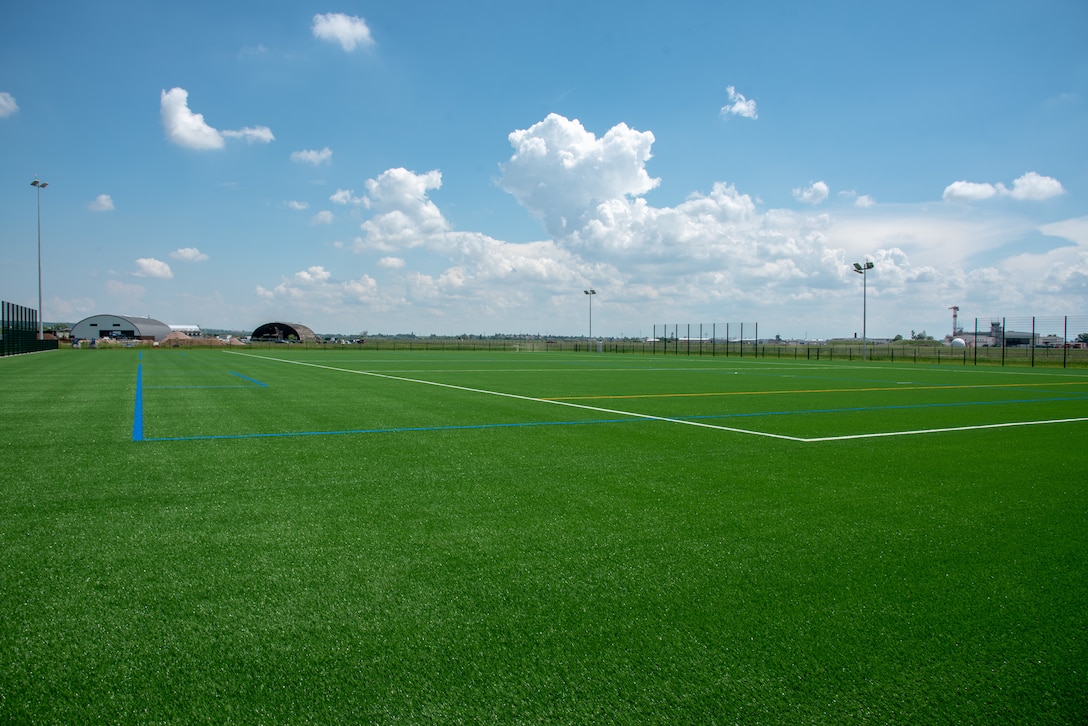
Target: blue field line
463,427
251,380
138,409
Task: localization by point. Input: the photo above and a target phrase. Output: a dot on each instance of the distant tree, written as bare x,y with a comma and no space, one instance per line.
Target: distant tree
897,337
920,336
1082,338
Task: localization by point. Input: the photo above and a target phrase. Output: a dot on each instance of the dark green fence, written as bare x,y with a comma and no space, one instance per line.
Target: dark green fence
19,331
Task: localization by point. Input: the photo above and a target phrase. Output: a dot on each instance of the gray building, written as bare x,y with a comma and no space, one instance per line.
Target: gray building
120,327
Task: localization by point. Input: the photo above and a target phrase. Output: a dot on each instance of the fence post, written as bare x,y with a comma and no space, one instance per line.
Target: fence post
1032,341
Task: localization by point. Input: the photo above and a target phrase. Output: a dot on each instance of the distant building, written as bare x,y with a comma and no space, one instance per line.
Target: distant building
120,327
192,330
285,332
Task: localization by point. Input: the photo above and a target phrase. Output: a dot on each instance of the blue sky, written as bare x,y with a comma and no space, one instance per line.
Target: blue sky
448,168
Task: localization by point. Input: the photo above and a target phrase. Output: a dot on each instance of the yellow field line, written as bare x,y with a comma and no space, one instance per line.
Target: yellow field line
811,390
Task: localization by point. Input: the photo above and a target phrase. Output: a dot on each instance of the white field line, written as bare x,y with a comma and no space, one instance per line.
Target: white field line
944,430
569,404
666,419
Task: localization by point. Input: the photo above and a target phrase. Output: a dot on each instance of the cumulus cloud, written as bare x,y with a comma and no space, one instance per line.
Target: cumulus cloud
738,105
1035,186
150,267
101,203
814,193
310,156
7,104
297,205
322,217
1029,187
186,128
560,171
716,250
189,254
404,216
347,30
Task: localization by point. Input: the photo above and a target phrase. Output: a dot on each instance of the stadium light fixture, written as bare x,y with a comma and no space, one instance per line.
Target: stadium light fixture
40,185
591,292
861,270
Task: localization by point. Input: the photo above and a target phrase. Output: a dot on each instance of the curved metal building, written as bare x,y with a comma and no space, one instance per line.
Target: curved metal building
284,331
120,327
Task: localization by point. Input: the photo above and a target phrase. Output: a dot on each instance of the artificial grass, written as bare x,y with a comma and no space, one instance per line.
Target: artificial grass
611,572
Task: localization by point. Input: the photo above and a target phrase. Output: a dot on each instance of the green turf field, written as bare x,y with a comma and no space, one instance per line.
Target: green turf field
288,536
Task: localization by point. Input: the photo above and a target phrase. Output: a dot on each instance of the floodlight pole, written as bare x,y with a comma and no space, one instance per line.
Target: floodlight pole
40,185
591,292
861,270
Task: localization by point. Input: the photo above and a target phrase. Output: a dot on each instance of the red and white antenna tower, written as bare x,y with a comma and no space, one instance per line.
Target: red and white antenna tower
955,312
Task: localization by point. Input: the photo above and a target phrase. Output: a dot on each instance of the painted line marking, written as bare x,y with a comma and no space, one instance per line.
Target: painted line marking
667,419
914,432
138,409
519,397
251,380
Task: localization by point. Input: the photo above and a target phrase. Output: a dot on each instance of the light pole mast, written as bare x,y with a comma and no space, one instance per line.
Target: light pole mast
40,185
861,270
591,292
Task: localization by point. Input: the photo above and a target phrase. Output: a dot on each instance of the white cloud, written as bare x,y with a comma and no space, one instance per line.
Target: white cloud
1035,186
346,196
560,172
150,267
252,134
296,205
7,104
404,217
738,105
965,191
322,217
189,254
184,127
1031,186
347,30
1074,230
718,250
315,291
814,193
188,129
101,203
310,156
